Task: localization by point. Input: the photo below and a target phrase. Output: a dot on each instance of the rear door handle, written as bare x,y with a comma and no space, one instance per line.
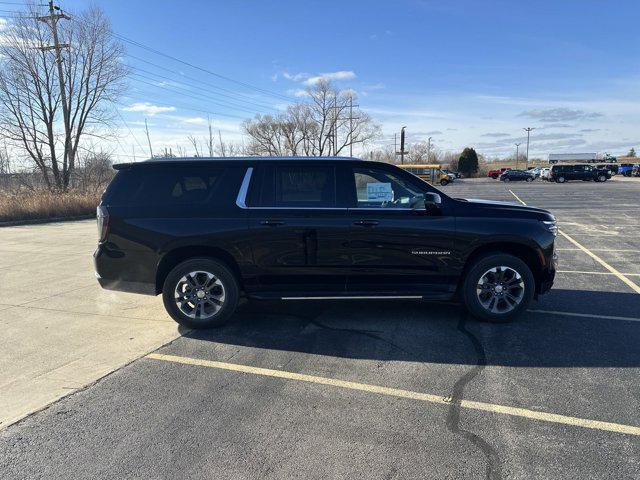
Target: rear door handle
272,223
366,223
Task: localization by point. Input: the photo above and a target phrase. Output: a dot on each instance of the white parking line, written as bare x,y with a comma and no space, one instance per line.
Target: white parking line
615,272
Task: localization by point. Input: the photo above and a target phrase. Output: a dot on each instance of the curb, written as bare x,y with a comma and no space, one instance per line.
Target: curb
36,221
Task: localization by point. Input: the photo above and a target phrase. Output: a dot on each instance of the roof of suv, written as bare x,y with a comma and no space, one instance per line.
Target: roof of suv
226,159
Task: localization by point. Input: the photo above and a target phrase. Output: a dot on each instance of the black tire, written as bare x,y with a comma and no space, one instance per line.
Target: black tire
478,270
627,174
602,178
444,182
229,288
561,179
529,179
494,176
506,179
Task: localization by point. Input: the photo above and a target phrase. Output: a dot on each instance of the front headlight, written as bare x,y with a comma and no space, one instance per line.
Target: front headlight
552,226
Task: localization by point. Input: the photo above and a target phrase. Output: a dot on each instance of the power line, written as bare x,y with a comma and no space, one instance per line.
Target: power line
205,70
190,95
231,92
232,100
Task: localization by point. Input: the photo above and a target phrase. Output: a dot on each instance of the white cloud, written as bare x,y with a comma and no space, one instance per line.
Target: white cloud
148,108
559,114
298,92
195,120
339,75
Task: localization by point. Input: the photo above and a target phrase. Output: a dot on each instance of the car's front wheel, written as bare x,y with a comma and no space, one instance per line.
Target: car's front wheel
529,179
444,182
201,293
602,178
498,287
561,179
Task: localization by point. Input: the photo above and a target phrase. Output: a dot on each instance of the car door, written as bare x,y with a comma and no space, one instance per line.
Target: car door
298,229
396,245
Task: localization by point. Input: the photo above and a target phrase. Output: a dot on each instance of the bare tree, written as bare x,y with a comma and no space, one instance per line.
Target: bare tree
30,93
322,125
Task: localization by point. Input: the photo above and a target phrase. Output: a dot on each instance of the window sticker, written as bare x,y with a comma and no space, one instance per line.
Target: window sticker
379,192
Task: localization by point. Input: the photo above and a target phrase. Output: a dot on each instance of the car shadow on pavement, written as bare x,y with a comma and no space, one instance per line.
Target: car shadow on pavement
416,331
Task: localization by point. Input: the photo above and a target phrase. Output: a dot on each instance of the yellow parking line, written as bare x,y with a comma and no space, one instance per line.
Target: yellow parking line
615,272
586,315
408,394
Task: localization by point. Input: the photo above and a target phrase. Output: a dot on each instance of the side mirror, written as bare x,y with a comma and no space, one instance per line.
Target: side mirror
432,202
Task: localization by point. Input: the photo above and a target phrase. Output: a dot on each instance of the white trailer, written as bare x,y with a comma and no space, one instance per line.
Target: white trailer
573,157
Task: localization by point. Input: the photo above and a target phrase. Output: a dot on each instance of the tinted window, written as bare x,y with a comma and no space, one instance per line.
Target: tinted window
164,186
293,186
380,189
305,186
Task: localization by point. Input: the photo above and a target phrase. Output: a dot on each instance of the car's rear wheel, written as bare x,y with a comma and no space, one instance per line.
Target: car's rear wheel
494,176
506,179
201,293
529,179
561,179
498,287
602,178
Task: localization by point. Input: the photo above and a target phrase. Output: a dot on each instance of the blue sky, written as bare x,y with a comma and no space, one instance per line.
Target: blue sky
467,73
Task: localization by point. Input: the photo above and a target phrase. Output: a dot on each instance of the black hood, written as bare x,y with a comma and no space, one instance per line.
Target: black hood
491,208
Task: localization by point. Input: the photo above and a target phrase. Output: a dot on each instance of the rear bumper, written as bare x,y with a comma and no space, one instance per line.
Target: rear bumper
115,272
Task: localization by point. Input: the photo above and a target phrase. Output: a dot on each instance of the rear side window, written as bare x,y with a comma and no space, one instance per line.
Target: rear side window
170,185
294,186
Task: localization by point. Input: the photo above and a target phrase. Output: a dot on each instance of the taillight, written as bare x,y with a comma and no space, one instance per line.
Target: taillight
102,217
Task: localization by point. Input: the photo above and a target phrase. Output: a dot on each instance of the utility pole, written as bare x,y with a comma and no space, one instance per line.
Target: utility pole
429,149
517,147
52,21
528,130
146,128
335,125
402,150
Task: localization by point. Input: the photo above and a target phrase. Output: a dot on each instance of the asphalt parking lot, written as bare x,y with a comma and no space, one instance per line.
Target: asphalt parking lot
369,389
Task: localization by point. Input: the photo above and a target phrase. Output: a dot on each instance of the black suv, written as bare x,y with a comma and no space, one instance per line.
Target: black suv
518,176
205,231
563,173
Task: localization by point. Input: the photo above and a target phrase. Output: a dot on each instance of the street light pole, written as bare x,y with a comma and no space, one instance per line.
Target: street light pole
517,147
528,130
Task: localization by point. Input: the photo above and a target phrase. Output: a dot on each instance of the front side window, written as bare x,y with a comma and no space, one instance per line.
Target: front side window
381,189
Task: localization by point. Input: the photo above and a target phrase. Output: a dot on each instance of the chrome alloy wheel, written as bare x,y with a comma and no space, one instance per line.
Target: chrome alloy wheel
199,295
500,289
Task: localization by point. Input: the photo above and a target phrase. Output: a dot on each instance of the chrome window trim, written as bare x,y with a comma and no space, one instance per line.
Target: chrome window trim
241,199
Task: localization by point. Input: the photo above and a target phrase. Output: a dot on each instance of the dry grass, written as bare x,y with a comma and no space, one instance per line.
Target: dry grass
43,205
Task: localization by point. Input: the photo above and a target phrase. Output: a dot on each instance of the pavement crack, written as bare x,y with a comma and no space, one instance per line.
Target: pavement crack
367,333
494,468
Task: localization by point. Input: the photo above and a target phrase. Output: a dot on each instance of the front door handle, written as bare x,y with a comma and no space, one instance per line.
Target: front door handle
272,223
366,223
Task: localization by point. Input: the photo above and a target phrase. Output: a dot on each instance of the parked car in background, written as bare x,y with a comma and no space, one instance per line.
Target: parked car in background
636,170
454,175
625,169
564,173
429,173
544,173
517,176
612,168
496,173
204,231
535,170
